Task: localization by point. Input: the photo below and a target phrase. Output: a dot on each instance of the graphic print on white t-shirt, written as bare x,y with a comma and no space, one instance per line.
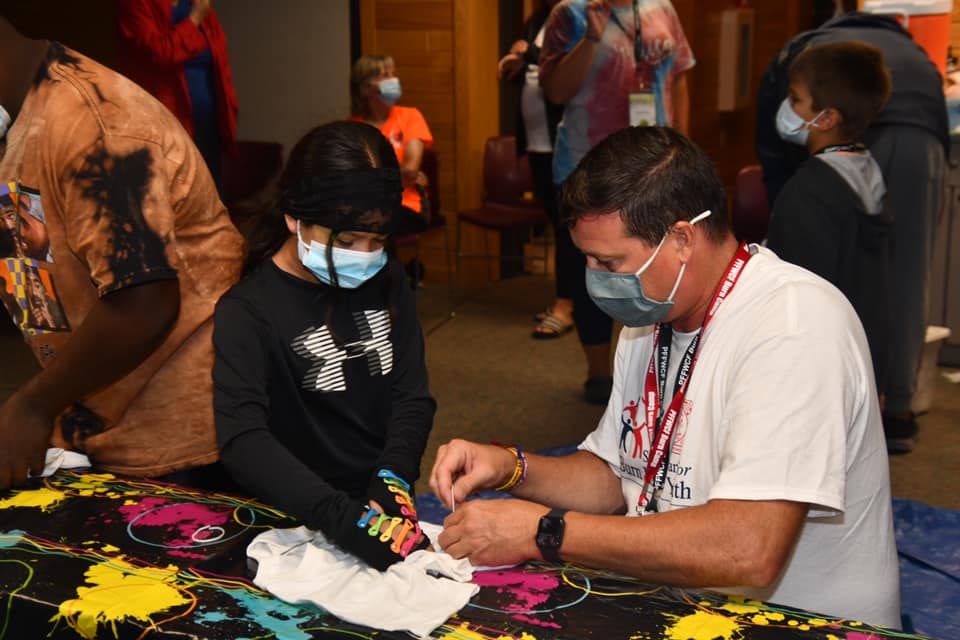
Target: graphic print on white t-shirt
636,438
317,344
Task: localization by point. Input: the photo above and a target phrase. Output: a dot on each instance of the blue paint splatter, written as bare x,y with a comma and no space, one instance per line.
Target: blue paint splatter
267,613
11,538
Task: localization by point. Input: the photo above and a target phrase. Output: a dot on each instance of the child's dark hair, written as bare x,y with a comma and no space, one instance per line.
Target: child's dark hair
850,77
336,147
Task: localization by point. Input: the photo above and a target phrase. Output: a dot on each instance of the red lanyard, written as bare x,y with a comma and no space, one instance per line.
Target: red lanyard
660,429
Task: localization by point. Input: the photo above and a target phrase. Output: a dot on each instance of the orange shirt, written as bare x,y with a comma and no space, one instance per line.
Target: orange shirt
402,125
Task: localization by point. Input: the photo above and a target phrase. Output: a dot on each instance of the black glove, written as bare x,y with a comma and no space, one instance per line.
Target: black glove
393,494
389,540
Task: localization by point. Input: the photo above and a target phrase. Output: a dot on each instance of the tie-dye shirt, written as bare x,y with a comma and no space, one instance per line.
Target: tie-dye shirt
103,189
601,106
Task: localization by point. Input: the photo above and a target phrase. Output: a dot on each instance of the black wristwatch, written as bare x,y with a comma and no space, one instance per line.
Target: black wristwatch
550,535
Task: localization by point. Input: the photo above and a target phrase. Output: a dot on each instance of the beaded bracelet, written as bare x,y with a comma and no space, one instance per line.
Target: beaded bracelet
519,470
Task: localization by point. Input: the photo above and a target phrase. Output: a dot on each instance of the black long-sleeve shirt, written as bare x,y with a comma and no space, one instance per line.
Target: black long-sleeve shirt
316,388
820,223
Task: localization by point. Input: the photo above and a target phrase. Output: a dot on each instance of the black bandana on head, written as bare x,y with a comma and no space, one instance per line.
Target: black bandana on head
359,200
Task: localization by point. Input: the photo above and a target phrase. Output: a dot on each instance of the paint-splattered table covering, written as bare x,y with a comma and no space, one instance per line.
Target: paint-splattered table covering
99,556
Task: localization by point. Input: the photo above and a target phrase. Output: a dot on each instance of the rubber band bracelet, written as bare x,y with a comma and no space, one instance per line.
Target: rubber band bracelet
519,470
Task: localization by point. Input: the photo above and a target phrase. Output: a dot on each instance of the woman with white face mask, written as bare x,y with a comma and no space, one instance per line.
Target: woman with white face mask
374,92
321,399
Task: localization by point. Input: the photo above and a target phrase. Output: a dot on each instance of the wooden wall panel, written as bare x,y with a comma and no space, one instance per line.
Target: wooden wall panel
728,137
446,55
955,29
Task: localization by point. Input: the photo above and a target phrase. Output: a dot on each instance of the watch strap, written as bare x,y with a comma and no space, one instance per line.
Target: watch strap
551,552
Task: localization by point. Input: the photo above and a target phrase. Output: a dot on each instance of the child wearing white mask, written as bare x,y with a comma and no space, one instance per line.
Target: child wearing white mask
830,217
321,398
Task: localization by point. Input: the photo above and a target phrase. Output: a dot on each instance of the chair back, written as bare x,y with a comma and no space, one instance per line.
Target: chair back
251,170
750,214
507,179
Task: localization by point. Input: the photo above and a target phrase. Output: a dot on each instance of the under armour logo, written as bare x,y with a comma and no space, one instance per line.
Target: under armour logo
318,345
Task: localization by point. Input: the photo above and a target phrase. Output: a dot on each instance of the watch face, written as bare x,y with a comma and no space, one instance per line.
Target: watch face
550,532
548,540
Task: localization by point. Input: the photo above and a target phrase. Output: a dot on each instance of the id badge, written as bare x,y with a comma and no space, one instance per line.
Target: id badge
643,109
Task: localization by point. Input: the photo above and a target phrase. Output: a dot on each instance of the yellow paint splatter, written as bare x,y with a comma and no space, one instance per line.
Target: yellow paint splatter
703,625
109,548
738,608
43,499
120,591
766,617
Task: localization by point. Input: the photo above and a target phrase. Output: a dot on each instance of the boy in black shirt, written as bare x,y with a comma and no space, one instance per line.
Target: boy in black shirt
830,217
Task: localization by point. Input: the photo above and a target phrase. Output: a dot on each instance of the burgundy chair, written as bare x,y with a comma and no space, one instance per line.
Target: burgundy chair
508,204
247,178
750,214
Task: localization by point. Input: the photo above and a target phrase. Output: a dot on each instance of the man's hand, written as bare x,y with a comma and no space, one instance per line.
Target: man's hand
25,434
493,532
509,66
598,12
463,468
519,47
200,10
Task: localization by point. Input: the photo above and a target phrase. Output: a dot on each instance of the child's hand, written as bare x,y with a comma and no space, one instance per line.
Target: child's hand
393,494
378,539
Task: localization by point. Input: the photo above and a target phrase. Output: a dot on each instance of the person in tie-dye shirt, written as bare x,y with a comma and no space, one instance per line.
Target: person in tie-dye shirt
114,249
608,76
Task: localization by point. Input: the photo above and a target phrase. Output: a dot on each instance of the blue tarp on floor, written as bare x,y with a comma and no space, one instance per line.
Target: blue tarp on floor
928,542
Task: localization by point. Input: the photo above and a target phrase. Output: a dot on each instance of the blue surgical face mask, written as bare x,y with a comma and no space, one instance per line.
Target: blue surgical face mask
353,267
791,127
621,296
390,90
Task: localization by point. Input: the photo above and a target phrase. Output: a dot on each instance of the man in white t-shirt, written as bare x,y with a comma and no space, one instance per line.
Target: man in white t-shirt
751,443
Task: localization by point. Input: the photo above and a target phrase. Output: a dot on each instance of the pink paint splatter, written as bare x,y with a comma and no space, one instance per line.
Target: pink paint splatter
857,635
184,517
186,554
528,589
536,621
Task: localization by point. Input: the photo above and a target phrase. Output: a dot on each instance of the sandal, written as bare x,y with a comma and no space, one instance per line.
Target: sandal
551,327
540,316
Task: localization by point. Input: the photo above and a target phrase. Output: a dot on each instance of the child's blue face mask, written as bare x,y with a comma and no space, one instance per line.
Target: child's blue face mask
353,267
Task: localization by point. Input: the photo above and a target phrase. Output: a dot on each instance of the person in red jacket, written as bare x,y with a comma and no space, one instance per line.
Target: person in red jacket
177,50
